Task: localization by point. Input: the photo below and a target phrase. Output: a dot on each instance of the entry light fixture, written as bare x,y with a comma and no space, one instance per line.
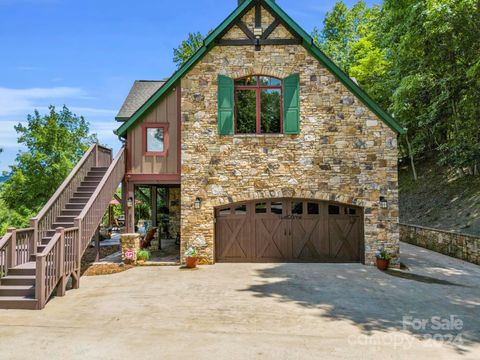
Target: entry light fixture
130,202
258,32
198,203
383,202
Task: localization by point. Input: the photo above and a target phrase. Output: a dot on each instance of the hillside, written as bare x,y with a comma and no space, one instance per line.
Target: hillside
440,199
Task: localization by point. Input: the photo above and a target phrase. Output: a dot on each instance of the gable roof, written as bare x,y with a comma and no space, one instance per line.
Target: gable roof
307,42
140,92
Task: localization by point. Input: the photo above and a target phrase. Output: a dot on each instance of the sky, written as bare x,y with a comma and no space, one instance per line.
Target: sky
86,54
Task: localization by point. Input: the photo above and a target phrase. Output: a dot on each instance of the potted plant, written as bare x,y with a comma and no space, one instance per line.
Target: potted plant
383,259
143,255
191,257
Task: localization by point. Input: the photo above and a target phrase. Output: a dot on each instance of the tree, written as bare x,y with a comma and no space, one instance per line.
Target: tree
434,48
350,37
187,48
54,144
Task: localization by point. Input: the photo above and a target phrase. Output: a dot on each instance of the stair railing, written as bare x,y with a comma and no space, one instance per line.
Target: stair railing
96,156
92,214
15,249
55,264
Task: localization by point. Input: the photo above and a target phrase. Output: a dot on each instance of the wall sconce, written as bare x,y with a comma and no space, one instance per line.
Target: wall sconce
130,202
258,32
383,203
198,203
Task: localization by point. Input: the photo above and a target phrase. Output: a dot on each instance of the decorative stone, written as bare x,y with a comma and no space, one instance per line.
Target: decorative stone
130,245
260,167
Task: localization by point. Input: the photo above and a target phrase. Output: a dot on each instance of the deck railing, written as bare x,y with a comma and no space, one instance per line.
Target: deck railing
62,255
15,249
93,212
55,264
46,217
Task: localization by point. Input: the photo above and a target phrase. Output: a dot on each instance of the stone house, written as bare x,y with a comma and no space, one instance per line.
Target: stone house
258,149
264,149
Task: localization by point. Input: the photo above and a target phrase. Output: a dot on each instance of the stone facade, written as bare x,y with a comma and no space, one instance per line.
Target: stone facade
174,208
344,152
130,242
460,246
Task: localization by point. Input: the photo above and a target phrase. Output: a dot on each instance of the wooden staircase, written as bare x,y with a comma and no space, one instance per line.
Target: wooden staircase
36,261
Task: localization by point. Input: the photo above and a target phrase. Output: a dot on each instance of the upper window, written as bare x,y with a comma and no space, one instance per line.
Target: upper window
258,105
155,139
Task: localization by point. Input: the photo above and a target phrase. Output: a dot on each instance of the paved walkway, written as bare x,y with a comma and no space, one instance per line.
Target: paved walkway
256,311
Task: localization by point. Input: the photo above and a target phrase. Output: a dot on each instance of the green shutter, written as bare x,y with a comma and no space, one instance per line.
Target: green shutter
225,105
291,104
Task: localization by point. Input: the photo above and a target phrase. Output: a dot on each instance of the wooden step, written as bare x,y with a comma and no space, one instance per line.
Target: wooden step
70,212
82,194
82,201
18,302
65,219
46,240
17,290
65,225
74,206
94,178
91,183
40,248
87,189
24,269
18,280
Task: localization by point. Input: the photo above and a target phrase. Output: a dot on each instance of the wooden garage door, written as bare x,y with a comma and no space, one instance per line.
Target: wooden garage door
289,230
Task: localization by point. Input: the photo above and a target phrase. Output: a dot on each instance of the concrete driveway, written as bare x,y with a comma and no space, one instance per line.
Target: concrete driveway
264,311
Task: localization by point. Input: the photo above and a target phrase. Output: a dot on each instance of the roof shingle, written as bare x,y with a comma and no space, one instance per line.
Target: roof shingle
140,92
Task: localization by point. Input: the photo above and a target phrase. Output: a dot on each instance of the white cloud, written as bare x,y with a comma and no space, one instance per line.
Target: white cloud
22,101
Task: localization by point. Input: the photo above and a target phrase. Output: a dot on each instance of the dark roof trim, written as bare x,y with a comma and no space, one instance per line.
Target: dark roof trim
307,43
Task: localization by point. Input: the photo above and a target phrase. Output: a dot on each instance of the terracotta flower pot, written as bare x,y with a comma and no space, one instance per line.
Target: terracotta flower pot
191,262
382,264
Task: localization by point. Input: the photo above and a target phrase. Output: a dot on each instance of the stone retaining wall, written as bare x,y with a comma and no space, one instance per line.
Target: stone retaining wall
460,246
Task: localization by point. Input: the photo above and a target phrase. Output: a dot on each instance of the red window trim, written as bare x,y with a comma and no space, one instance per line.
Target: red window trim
163,126
258,89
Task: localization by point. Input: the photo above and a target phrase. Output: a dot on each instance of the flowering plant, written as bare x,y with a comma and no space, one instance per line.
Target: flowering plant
130,254
383,254
191,252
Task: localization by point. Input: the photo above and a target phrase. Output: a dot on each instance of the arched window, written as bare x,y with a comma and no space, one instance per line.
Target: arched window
258,105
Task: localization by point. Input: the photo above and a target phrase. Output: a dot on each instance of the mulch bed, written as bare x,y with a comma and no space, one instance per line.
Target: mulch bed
105,269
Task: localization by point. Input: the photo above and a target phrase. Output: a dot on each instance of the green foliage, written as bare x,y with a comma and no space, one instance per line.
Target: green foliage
143,255
419,59
187,48
54,144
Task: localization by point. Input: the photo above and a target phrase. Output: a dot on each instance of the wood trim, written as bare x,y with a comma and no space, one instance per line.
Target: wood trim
258,90
247,42
166,139
160,178
129,152
270,29
258,15
245,29
179,128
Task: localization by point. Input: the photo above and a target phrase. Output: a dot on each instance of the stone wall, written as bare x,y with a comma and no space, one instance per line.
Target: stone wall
344,153
174,209
460,246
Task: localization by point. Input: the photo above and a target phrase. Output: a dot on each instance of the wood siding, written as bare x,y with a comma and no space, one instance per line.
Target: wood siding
165,111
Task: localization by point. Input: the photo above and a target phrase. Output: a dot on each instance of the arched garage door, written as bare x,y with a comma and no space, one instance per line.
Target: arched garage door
289,230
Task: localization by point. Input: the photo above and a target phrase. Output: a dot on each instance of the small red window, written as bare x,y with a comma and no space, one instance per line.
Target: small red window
155,139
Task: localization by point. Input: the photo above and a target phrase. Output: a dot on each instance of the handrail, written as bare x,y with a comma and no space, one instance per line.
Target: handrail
4,240
65,183
49,246
101,185
92,213
96,156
